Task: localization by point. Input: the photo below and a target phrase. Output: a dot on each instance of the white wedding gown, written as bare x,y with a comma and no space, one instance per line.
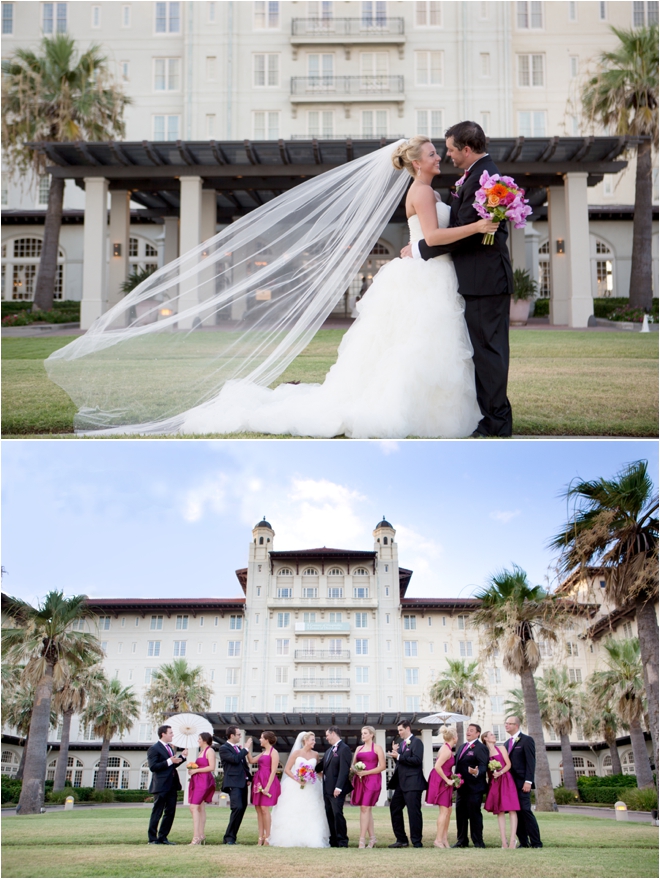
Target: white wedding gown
404,368
298,819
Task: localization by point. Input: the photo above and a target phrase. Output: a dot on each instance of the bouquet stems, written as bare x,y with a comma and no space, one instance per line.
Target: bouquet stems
489,238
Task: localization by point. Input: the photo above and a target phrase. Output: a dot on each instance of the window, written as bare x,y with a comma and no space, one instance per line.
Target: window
627,630
7,28
335,572
485,120
44,189
210,6
530,70
412,703
412,676
462,621
645,13
531,123
410,648
484,57
283,620
320,71
335,645
409,622
545,649
233,648
73,773
361,646
360,621
572,10
266,14
120,647
166,74
360,592
281,674
446,646
308,703
148,674
494,675
116,774
361,703
168,18
500,732
465,648
575,675
156,622
362,674
602,15
166,128
375,124
182,622
374,14
335,592
428,14
180,648
235,621
96,16
309,617
232,676
335,616
265,125
231,703
497,704
54,18
211,61
529,14
281,703
430,619
571,648
360,572
428,68
284,592
266,70
282,646
126,16
20,272
104,623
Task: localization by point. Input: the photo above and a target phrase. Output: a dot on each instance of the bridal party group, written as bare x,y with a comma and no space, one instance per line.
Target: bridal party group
306,807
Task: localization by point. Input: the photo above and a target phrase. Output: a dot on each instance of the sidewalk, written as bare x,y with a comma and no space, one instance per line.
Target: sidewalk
605,812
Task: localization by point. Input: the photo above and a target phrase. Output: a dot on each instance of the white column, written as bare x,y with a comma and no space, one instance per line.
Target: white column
517,248
427,740
581,305
95,238
120,226
558,232
190,235
381,740
209,213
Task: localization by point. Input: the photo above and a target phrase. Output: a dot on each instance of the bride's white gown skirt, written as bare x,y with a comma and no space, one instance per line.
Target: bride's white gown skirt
404,369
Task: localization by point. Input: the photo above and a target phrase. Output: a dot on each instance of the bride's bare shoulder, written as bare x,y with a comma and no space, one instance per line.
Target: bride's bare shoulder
419,195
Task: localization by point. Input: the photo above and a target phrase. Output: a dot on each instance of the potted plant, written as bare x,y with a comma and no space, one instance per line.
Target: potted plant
524,290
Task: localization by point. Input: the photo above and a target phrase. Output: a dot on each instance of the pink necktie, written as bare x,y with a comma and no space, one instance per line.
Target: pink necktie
171,752
236,748
465,747
511,740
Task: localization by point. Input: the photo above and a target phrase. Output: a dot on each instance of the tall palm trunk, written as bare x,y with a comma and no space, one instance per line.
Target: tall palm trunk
642,764
34,774
460,732
570,778
641,284
545,798
647,630
103,765
60,772
21,765
44,290
614,754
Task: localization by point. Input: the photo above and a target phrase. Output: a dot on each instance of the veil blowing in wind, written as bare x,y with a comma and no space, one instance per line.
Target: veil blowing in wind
237,308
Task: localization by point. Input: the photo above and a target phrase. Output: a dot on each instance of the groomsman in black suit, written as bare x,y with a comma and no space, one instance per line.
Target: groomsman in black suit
522,753
165,783
336,768
235,779
472,765
408,783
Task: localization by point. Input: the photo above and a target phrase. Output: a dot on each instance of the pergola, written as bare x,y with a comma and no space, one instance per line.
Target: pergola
192,185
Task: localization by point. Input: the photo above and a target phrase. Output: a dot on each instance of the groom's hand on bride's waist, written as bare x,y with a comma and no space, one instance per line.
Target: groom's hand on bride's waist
406,252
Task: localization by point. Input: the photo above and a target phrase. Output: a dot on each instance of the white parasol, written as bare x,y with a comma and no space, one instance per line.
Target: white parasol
443,718
186,729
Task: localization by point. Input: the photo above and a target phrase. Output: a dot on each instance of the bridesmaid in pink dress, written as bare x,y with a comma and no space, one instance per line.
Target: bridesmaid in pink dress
367,783
201,787
265,784
502,794
440,789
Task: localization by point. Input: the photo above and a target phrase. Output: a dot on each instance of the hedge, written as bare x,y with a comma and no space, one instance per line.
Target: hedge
644,800
592,781
603,308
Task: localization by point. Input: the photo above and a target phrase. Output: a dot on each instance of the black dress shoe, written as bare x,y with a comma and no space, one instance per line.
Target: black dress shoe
477,435
418,845
166,842
479,845
153,842
460,845
230,842
398,845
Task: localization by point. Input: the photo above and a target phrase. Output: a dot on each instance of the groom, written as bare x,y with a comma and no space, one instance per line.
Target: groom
336,766
522,753
235,780
485,280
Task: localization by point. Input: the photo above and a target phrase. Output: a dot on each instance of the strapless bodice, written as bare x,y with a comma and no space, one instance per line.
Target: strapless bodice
300,760
416,227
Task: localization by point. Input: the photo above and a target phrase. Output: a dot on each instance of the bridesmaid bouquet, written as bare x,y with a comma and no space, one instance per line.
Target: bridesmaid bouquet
456,780
357,767
260,790
305,775
192,765
494,765
500,198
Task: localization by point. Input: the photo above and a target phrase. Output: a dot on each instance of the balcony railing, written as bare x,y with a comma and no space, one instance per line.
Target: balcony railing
341,86
321,683
323,627
323,655
368,25
375,136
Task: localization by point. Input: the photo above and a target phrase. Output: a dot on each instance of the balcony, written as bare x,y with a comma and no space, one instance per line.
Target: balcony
322,655
325,89
322,602
321,684
347,32
323,627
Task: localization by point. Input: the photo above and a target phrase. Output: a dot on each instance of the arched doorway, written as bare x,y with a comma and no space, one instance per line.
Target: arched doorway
20,261
602,268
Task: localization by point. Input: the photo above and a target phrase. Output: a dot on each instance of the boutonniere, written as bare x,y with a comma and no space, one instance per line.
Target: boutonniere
471,745
516,740
458,185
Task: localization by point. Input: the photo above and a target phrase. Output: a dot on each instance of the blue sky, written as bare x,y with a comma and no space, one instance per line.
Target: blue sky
174,518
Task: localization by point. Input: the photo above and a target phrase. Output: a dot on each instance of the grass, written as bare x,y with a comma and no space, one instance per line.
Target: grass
112,842
561,383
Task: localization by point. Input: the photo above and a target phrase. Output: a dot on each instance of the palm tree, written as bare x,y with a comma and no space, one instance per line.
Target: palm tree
559,704
17,709
614,524
176,687
112,709
44,639
515,704
622,684
71,699
601,723
55,96
512,616
458,690
622,96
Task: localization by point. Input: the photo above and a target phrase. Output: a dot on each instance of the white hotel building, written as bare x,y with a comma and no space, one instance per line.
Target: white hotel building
314,637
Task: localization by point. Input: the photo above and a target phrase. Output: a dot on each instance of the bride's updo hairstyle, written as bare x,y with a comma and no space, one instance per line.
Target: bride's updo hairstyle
304,738
409,152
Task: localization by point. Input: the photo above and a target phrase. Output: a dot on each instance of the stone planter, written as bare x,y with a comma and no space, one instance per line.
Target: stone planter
519,312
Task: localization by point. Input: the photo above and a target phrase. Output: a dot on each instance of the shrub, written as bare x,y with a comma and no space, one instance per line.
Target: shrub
601,794
59,796
524,287
130,796
107,795
640,800
541,307
11,789
593,781
564,796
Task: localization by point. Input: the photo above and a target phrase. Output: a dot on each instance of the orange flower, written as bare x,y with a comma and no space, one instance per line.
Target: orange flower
493,201
499,190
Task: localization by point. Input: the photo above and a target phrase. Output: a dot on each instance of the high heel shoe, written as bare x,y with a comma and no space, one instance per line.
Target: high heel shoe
361,842
438,844
202,839
266,840
372,841
196,840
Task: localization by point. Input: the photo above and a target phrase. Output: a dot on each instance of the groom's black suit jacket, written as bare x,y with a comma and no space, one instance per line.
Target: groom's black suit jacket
234,766
164,776
482,269
523,759
409,774
475,756
335,767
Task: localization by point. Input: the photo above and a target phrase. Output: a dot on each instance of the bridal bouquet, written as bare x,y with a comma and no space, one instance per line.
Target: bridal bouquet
305,774
456,779
494,765
357,767
500,198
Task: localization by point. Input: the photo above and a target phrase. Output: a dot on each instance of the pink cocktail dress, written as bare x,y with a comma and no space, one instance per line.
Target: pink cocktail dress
261,780
502,793
367,790
439,792
202,784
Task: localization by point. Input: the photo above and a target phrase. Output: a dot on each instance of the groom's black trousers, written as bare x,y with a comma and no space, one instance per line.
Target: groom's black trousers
334,811
412,800
165,806
487,319
238,800
528,829
468,814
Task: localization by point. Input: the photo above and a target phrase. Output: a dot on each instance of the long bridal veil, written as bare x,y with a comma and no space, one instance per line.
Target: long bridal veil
237,308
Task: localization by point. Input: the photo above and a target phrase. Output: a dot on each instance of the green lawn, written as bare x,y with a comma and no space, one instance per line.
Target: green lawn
112,842
561,383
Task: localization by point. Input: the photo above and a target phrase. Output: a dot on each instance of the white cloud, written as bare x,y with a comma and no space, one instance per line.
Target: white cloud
211,495
316,511
504,516
389,447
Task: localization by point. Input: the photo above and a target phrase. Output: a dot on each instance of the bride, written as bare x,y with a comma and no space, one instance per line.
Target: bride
299,819
403,369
